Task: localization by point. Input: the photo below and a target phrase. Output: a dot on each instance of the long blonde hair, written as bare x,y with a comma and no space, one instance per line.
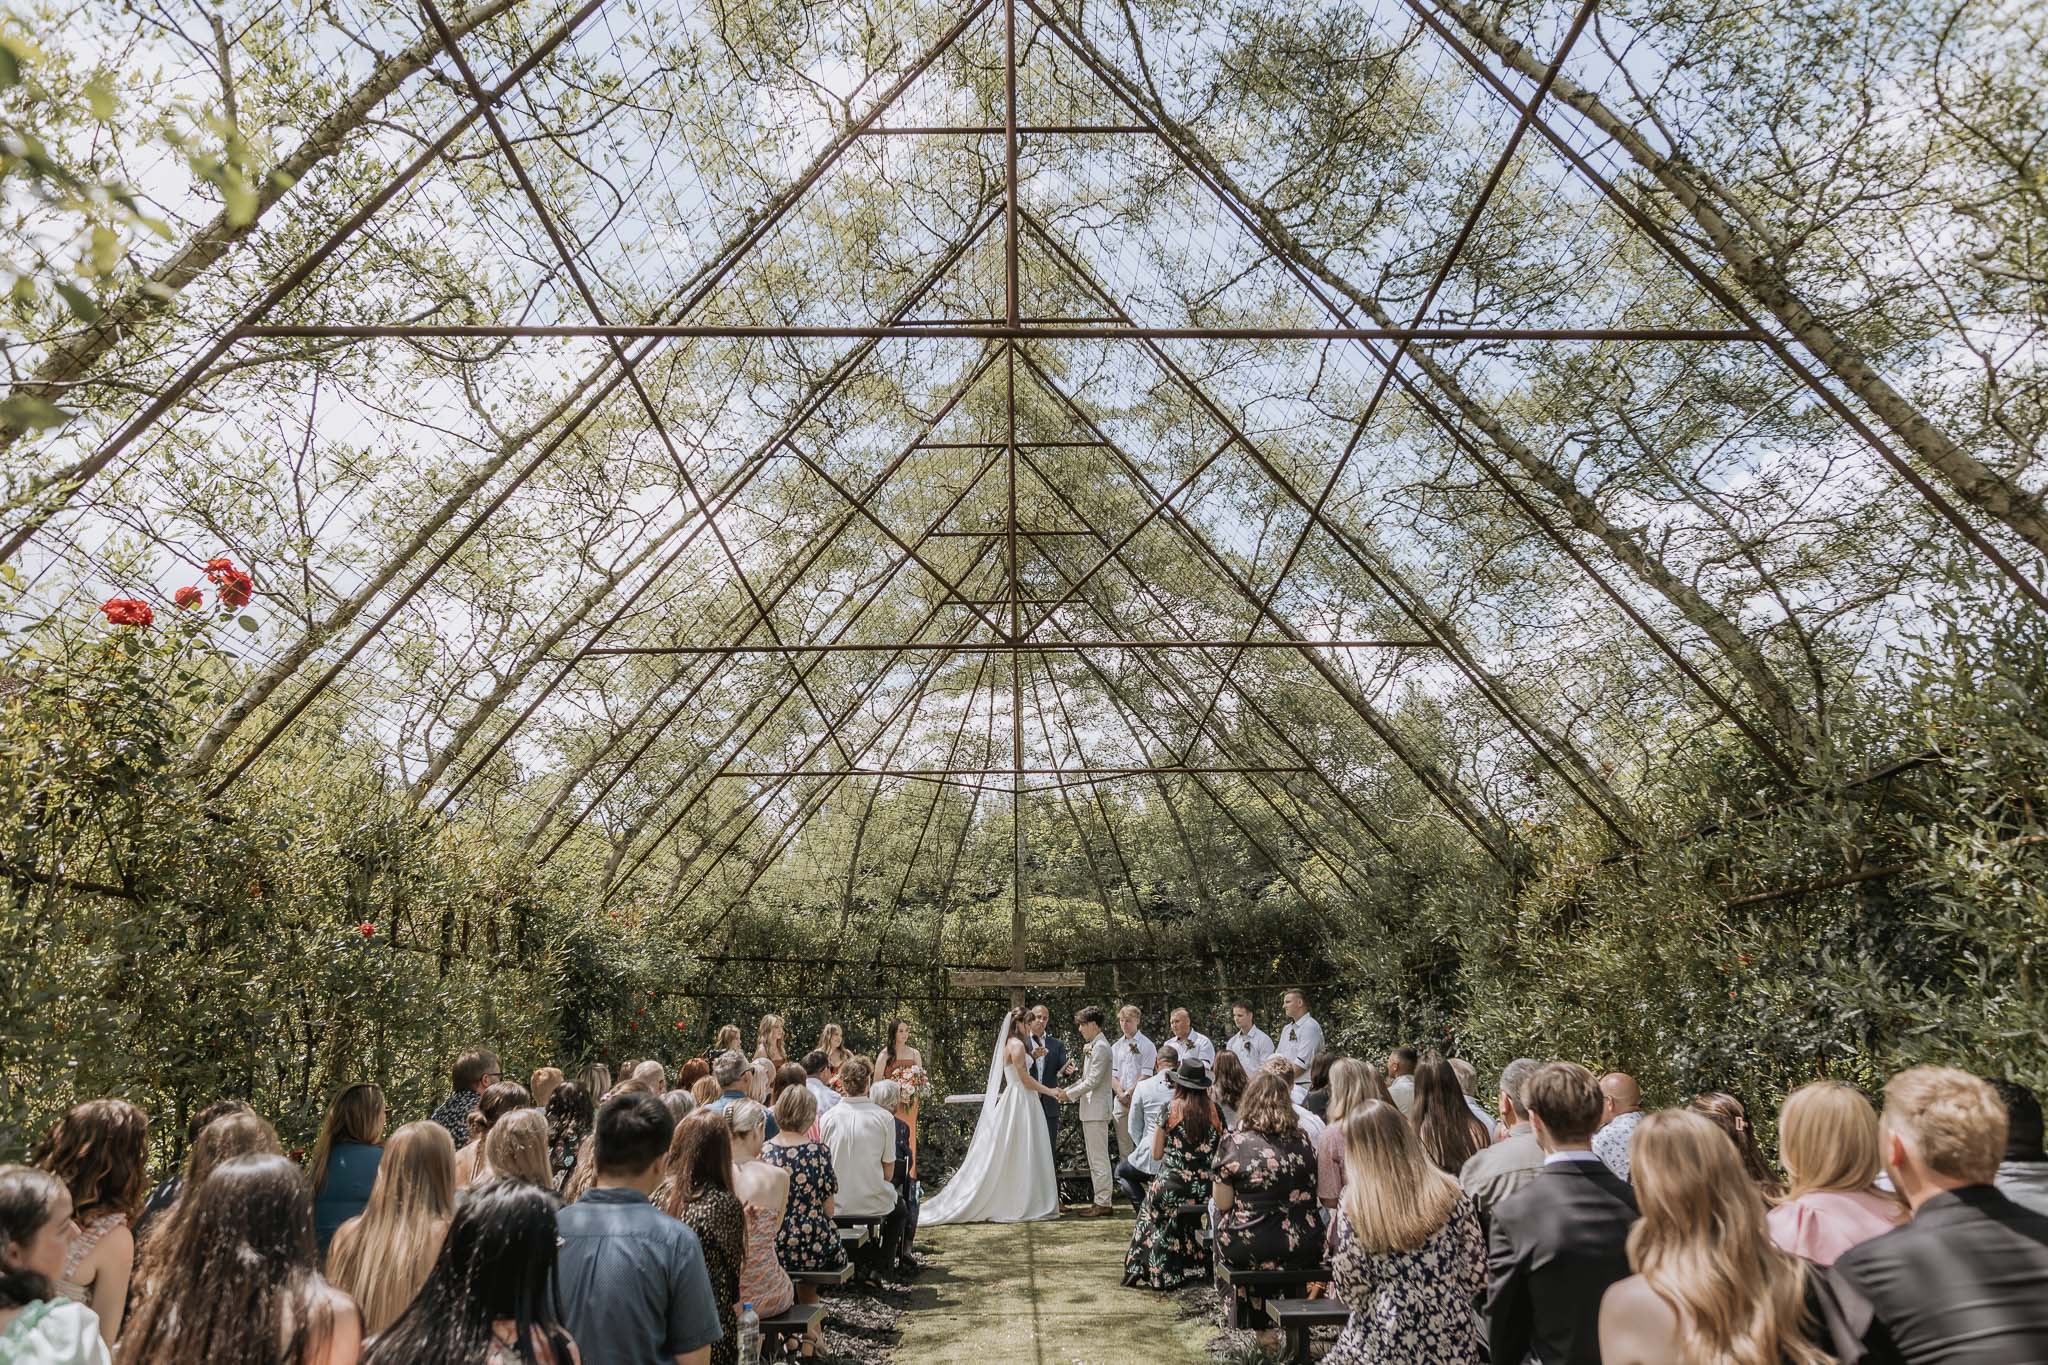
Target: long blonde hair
356,1114
1394,1196
516,1148
1702,1247
772,1024
1353,1085
1827,1139
383,1255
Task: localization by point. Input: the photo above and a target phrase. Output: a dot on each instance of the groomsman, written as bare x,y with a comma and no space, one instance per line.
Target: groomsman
1192,1046
1250,1042
1300,1040
1134,1058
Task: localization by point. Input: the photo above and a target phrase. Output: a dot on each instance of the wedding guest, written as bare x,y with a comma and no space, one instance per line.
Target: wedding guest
486,1301
382,1256
1708,1283
888,1097
1191,1045
823,1096
474,1072
516,1148
166,1194
705,1091
1250,1042
1149,1102
1965,1277
762,1188
1264,1188
498,1100
39,1326
1728,1112
1449,1134
1353,1085
1512,1162
2023,1173
1558,1242
570,1116
734,1076
1317,1100
543,1085
862,1140
652,1076
1406,1256
807,1239
769,1042
1621,1109
344,1160
630,1283
898,1060
1133,1058
596,1080
832,1042
239,1283
100,1151
690,1072
1311,1126
1468,1081
698,1190
1401,1064
1166,1250
1827,1137
242,1133
1301,1038
681,1104
728,1040
1228,1092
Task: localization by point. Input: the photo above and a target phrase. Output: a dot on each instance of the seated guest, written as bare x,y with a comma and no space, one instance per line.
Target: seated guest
697,1188
1827,1136
1621,1109
1708,1283
1149,1100
862,1139
1317,1100
596,1080
1965,1277
1406,1255
1498,1171
543,1085
816,1064
241,1133
1559,1241
382,1257
517,1149
498,1100
99,1149
1468,1081
786,1075
653,1075
1311,1126
474,1073
736,1081
570,1116
1732,1116
1450,1135
1401,1064
691,1072
1228,1091
1264,1187
762,1188
344,1160
2023,1173
807,1239
39,1326
486,1300
630,1283
1166,1248
1353,1085
238,1282
681,1104
888,1096
166,1194
705,1091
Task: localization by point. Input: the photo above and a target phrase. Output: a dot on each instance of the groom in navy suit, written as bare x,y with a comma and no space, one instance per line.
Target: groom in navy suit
1048,1059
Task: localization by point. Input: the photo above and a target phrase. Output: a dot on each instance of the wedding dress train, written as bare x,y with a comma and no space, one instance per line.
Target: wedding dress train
1007,1175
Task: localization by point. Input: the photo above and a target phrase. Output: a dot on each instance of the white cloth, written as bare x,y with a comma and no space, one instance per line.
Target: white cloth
1196,1048
1007,1175
1148,1110
1252,1047
862,1138
1610,1144
824,1094
1486,1120
1091,1093
1134,1058
1311,1126
1401,1090
1300,1040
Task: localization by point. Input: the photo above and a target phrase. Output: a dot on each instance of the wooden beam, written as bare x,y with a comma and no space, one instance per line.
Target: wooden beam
1028,981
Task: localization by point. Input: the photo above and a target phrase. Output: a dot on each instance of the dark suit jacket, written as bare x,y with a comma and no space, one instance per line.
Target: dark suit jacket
1554,1247
1048,1073
1965,1280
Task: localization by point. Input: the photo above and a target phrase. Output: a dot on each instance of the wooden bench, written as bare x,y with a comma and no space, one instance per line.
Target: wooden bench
858,1228
1242,1287
821,1278
1298,1317
790,1325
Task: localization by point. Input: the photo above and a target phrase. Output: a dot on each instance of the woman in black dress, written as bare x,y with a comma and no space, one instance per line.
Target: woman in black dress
1267,1217
1166,1248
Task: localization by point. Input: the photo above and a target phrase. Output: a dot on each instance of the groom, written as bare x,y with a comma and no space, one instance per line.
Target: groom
1092,1093
1047,1055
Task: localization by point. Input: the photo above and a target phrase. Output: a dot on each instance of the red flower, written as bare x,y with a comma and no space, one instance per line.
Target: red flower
188,597
216,567
681,1025
367,929
128,611
236,588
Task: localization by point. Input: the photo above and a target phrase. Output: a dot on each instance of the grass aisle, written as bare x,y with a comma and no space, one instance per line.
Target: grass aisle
1040,1294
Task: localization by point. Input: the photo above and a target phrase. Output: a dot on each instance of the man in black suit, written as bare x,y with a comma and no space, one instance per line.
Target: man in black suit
1557,1242
1048,1059
1964,1281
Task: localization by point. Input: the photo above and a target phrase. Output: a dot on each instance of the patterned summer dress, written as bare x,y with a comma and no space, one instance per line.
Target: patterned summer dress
1411,1307
808,1239
1273,1222
721,1226
1166,1246
88,1238
763,1281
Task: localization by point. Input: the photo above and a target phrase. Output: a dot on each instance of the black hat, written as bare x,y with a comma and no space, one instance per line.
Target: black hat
1191,1075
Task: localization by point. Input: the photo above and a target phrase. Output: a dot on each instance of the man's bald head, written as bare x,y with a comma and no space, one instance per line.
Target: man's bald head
1621,1093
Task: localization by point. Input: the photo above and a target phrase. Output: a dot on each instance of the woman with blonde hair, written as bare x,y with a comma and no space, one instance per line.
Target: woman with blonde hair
516,1148
498,1101
1709,1288
1353,1085
1827,1138
383,1255
771,1039
344,1161
832,1042
1407,1257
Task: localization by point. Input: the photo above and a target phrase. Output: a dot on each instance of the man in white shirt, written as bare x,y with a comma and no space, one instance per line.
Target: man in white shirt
1149,1101
814,1081
1133,1059
1401,1064
861,1136
1192,1046
1250,1042
1301,1038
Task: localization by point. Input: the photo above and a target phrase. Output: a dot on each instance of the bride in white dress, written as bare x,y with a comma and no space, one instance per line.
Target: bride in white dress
1007,1175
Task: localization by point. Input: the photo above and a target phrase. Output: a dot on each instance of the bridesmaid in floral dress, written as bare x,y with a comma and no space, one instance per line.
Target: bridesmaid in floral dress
899,1060
1166,1248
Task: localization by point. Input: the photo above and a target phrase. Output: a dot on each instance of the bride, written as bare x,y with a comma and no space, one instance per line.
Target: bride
1007,1175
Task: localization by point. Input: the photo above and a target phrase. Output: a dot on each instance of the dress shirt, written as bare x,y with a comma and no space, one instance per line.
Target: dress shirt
1311,1126
1610,1144
1149,1103
1401,1090
1252,1047
824,1094
1300,1040
1132,1060
862,1138
1196,1048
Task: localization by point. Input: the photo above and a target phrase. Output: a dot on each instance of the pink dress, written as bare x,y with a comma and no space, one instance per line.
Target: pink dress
1822,1225
763,1281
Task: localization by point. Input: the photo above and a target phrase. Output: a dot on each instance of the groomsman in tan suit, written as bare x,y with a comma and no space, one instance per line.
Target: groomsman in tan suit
1092,1094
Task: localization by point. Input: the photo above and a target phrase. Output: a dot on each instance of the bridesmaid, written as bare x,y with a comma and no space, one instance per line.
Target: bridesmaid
832,1042
898,1057
769,1038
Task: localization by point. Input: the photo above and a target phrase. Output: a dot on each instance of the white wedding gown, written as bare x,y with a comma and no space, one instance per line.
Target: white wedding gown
1007,1175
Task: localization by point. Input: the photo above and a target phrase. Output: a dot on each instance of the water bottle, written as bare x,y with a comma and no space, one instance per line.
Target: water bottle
748,1335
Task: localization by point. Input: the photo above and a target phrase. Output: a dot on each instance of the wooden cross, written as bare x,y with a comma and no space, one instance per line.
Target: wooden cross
1017,983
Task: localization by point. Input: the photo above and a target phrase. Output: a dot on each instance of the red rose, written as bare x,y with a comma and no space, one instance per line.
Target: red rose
216,567
188,597
236,588
127,611
367,929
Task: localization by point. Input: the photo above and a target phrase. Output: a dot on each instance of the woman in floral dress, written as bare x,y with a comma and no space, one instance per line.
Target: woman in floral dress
1408,1257
1265,1188
808,1240
1166,1248
697,1188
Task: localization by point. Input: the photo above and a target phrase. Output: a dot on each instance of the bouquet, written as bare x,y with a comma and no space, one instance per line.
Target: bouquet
915,1083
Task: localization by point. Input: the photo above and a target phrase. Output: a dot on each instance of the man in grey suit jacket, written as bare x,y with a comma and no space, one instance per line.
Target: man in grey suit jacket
1092,1094
1493,1173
